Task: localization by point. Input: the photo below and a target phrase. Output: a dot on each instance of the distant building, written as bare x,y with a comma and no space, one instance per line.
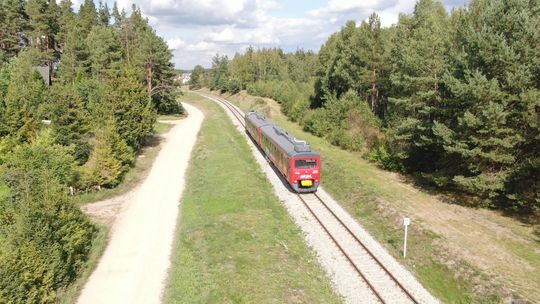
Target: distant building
45,73
183,78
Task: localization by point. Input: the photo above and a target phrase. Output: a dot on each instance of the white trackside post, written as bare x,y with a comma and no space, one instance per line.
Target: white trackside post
406,223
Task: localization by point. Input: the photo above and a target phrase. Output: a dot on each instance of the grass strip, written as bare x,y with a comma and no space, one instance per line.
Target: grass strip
235,243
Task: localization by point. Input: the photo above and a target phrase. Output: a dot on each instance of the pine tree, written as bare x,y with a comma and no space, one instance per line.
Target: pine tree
66,21
493,91
24,94
105,51
374,55
88,16
43,27
14,23
131,108
118,18
104,14
219,74
419,61
70,120
75,63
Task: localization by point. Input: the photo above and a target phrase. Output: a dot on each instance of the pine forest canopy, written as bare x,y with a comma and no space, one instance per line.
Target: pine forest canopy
453,99
111,75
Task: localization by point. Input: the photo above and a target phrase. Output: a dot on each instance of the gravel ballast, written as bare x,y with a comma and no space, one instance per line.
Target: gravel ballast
344,278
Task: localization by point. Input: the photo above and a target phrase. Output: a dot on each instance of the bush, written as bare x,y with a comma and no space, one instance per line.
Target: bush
346,122
110,159
234,86
44,237
293,96
384,159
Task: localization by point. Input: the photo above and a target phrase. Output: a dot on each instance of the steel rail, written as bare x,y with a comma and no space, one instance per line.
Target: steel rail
381,265
238,114
349,259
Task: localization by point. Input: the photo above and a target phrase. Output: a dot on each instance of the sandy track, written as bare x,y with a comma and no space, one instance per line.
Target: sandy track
133,268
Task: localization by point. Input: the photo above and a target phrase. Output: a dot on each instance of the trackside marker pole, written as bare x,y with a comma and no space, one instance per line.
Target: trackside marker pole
406,223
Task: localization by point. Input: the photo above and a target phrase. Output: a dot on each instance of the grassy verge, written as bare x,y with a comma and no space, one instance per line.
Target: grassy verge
171,117
140,169
235,243
462,255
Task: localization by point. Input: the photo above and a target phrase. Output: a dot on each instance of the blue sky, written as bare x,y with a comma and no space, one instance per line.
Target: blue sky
198,29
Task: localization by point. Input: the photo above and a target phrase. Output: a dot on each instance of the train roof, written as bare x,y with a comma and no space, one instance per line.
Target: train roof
257,119
290,145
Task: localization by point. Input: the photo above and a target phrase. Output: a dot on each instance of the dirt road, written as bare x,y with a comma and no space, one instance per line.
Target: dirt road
133,268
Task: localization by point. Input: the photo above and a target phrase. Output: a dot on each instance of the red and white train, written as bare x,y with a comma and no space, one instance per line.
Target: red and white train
294,158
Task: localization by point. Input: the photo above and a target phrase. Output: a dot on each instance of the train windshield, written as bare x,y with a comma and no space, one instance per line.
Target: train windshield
305,163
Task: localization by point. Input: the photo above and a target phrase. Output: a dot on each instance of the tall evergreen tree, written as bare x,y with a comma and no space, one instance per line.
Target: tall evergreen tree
88,16
24,94
75,62
70,120
419,61
374,55
42,15
105,51
14,23
493,91
118,17
104,15
128,103
66,21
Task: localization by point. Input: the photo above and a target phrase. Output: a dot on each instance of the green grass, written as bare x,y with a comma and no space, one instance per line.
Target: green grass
133,177
235,243
375,201
171,117
162,128
4,190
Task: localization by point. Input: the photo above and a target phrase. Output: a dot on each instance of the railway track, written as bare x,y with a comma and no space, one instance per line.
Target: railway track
385,287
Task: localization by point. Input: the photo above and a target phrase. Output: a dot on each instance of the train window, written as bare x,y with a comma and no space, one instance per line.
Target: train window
305,163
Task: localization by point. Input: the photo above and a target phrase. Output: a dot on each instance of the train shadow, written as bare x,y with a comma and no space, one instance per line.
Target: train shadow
274,168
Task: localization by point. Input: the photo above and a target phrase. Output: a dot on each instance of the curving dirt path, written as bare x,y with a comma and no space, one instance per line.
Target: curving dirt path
133,268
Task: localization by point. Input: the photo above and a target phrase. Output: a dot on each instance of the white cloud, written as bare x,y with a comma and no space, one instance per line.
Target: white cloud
176,43
350,7
198,29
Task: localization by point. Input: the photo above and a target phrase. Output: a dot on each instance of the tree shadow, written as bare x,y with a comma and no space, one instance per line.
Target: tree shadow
151,141
454,196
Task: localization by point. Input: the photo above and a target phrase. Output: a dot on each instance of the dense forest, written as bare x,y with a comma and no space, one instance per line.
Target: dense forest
453,99
79,94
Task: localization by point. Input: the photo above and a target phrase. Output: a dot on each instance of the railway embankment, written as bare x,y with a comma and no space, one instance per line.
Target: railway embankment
234,241
361,270
460,254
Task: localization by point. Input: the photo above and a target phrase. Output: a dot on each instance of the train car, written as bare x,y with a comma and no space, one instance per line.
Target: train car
293,158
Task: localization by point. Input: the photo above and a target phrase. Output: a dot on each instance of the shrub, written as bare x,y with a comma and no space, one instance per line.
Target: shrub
234,85
384,159
44,237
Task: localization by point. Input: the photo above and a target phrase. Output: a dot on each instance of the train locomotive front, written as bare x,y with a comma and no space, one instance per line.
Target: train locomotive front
293,158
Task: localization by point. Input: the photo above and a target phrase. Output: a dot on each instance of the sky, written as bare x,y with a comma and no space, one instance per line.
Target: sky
196,30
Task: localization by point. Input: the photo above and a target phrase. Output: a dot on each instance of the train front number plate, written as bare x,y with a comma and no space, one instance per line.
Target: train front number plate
306,183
